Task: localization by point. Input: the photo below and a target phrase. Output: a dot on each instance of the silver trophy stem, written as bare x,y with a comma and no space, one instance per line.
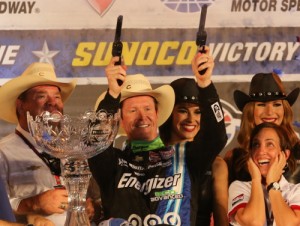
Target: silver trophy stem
76,176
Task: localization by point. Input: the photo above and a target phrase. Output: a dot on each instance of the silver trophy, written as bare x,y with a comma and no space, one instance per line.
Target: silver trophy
73,140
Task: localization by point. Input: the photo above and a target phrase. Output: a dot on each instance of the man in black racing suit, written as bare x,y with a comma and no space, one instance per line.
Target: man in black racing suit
147,183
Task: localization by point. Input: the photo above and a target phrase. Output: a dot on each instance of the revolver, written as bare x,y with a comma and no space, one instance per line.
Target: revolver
201,34
117,46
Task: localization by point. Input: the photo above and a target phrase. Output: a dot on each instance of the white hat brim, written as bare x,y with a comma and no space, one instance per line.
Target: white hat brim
11,90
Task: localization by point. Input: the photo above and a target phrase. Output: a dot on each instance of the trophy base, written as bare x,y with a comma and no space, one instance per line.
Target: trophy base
77,218
76,176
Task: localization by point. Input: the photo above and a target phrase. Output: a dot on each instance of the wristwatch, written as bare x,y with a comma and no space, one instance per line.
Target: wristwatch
274,185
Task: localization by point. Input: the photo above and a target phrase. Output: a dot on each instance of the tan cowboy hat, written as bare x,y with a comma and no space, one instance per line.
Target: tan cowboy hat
264,87
139,85
36,74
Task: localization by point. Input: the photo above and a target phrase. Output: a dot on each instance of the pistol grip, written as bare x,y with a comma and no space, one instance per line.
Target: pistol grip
120,82
119,61
202,72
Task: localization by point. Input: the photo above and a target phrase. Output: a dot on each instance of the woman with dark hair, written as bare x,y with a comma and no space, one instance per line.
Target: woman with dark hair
267,101
183,125
268,198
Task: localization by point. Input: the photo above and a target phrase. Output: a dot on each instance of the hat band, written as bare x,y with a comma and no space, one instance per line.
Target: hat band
268,94
188,98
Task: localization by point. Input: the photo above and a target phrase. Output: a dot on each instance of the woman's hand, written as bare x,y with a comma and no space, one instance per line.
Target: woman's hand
253,170
200,62
276,168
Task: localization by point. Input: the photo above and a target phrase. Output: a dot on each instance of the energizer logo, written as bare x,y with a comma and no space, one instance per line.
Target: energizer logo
128,180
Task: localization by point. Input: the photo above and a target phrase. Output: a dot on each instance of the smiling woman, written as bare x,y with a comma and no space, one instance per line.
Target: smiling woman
183,126
268,198
267,142
186,121
267,101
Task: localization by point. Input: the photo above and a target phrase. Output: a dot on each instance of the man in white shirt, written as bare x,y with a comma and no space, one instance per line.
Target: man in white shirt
32,180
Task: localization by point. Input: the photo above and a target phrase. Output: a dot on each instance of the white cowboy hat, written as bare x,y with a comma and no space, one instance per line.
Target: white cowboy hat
139,85
36,74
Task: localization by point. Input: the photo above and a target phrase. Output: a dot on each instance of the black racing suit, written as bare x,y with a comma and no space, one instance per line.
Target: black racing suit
205,200
160,186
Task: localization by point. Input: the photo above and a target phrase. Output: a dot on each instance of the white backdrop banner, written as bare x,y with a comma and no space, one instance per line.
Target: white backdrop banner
81,14
245,37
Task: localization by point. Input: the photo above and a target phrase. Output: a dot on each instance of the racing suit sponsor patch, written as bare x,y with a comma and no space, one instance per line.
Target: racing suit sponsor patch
217,111
237,199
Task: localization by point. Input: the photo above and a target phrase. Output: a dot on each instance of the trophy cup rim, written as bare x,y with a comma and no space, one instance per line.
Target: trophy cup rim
81,140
